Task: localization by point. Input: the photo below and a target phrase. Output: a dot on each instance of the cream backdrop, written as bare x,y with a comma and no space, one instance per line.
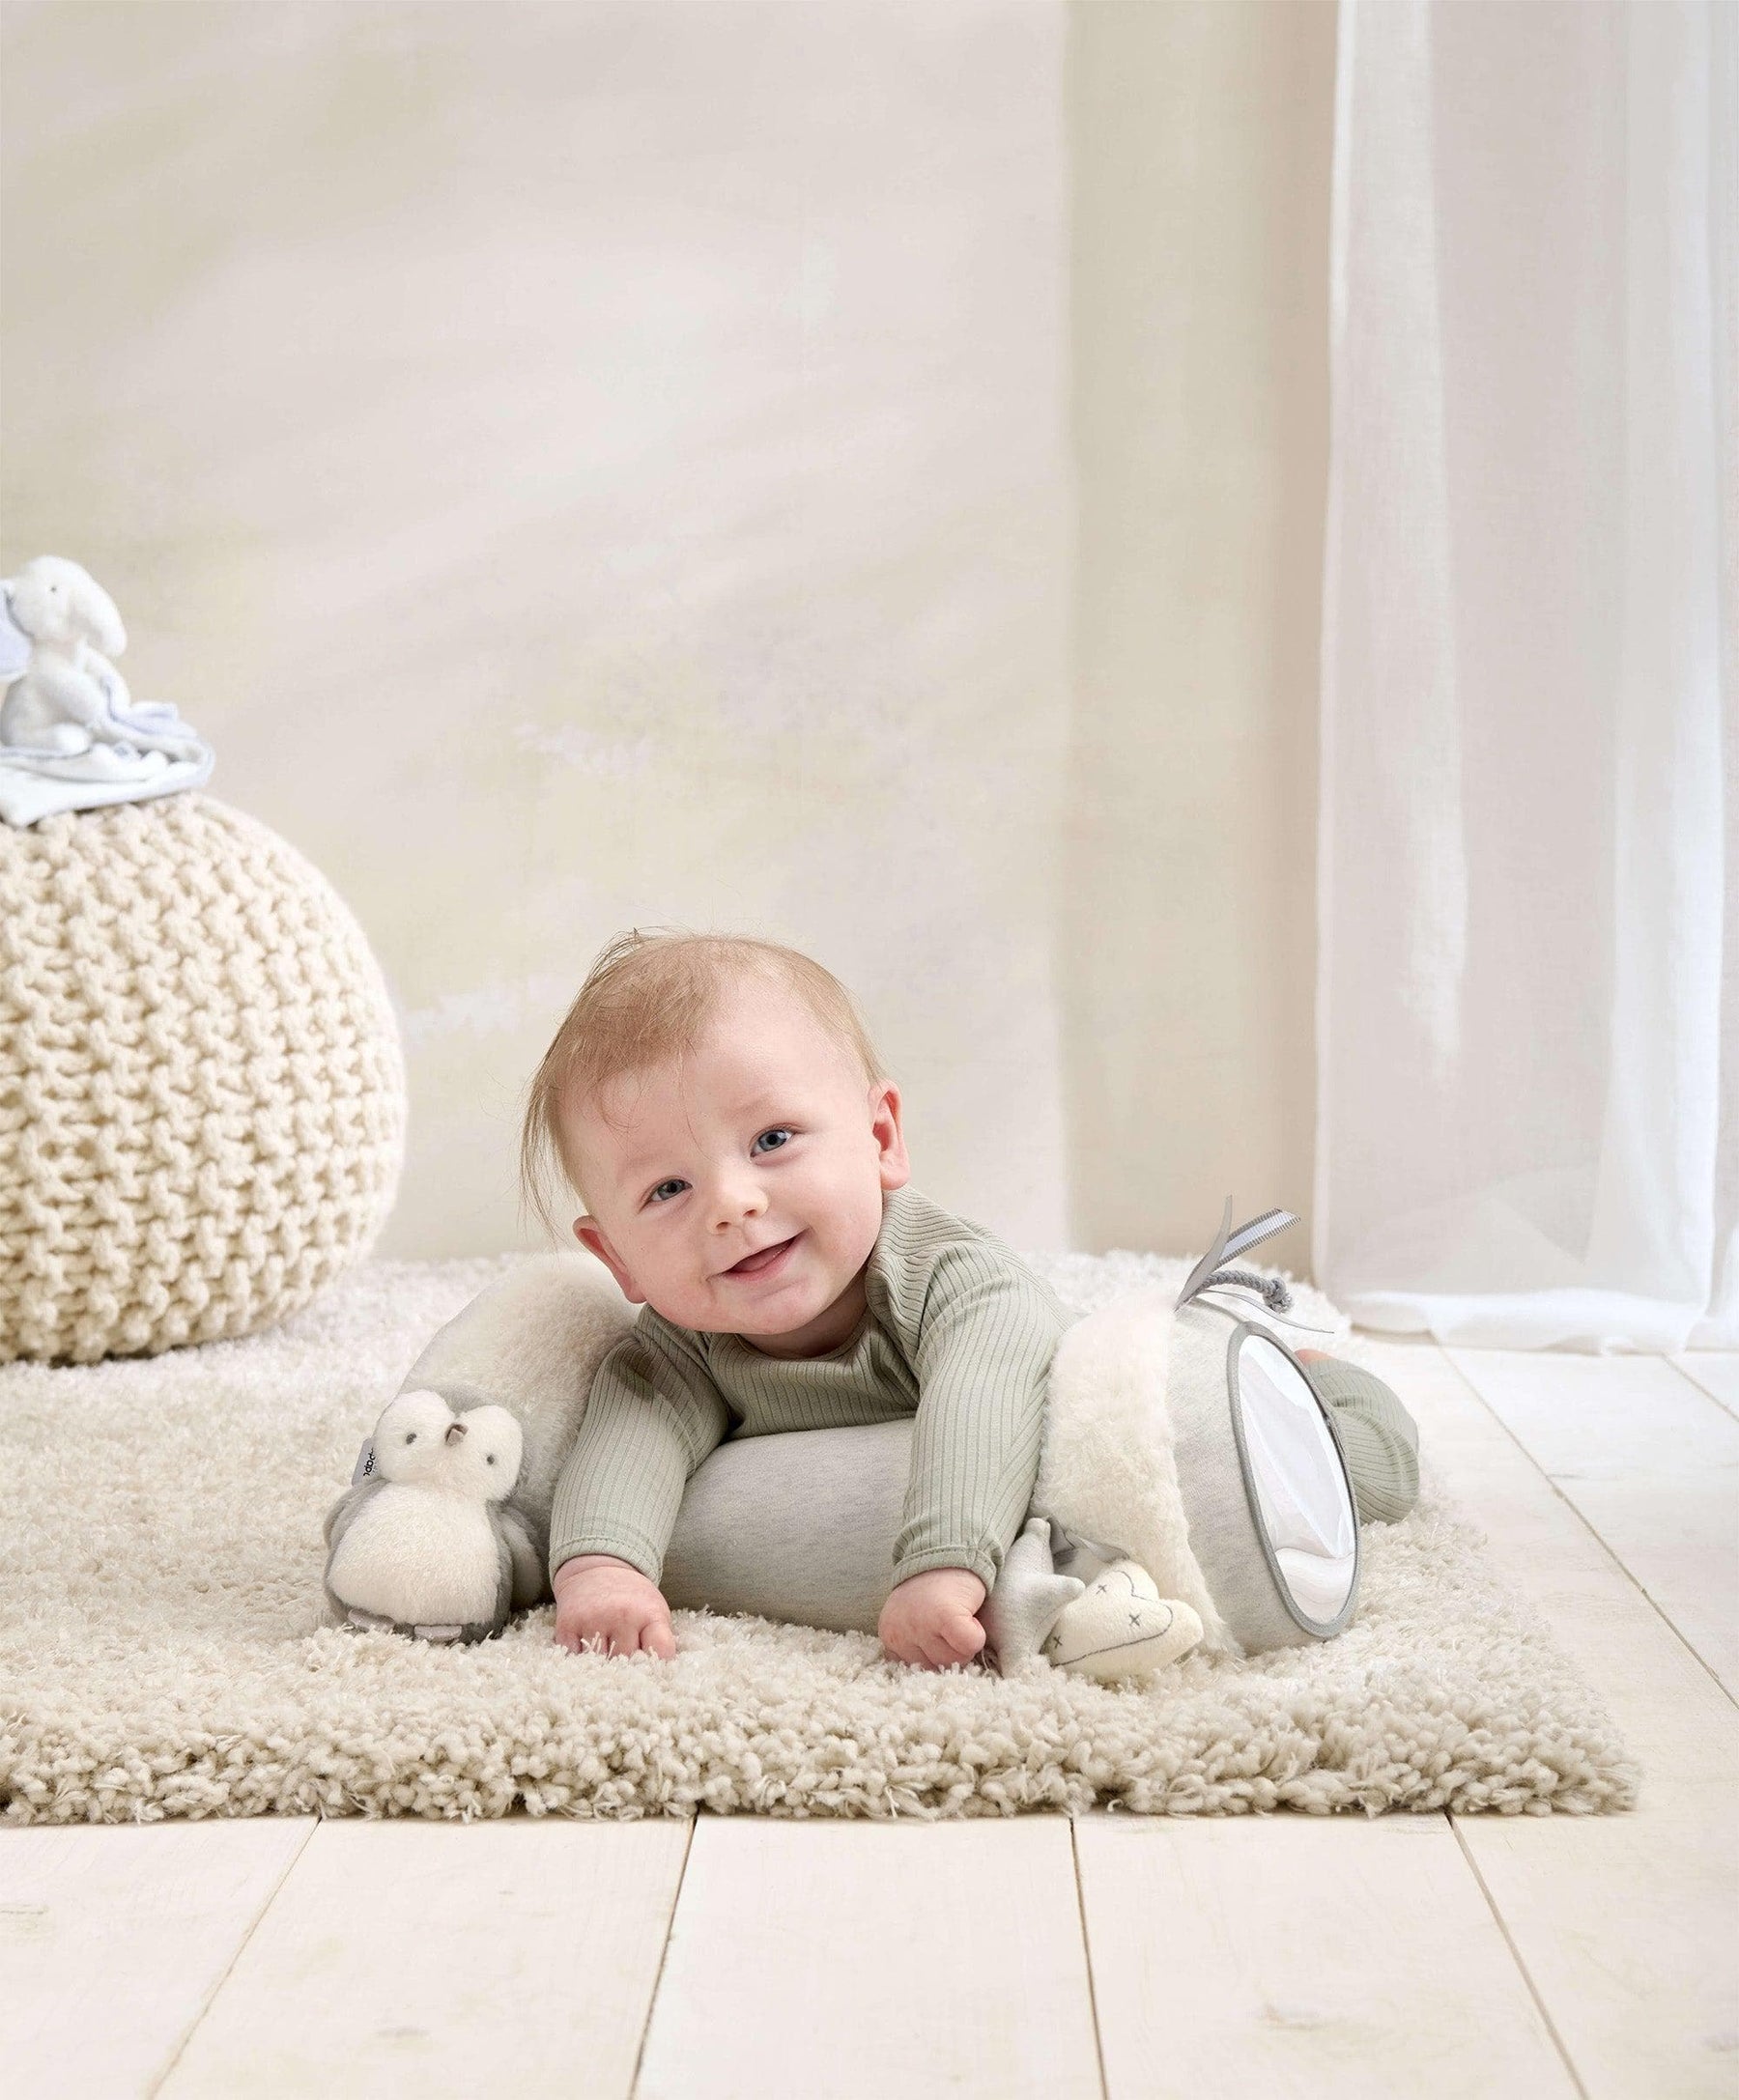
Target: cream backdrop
614,462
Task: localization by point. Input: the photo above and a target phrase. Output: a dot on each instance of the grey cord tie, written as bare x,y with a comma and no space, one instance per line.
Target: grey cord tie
1271,1290
1303,1326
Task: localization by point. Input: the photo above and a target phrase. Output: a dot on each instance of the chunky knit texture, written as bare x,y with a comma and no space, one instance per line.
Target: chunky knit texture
202,1093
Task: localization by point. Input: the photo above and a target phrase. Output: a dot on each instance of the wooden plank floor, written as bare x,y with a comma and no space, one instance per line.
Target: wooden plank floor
1119,1957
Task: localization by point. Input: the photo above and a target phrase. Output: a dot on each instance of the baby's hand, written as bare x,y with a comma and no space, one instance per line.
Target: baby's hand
927,1619
601,1600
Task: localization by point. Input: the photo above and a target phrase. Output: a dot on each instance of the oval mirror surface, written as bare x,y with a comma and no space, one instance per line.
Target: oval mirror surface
1303,1502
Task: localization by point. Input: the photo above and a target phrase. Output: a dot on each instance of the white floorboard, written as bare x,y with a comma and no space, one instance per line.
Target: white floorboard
514,1958
1627,1926
1715,1372
1299,1954
859,1961
1624,1924
112,1938
1649,1459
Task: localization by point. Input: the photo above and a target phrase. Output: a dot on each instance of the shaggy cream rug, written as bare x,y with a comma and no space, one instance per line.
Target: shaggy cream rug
163,1652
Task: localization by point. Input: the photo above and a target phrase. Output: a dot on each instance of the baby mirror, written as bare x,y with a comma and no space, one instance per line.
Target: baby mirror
1297,1483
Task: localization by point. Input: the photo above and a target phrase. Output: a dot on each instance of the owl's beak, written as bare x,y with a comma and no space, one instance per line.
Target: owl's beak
455,1432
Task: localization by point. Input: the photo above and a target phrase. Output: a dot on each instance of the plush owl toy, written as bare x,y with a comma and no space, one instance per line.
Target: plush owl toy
424,1543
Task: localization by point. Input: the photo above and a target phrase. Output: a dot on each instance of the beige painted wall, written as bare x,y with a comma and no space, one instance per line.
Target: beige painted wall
608,463
585,464
1202,136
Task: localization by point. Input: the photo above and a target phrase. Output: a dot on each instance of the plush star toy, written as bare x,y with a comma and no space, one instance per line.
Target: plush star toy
1108,1622
1028,1599
1122,1631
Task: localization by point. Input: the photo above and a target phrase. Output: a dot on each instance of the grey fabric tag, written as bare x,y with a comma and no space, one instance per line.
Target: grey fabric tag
364,1462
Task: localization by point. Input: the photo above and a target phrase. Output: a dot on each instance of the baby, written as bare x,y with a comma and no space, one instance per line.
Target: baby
720,1112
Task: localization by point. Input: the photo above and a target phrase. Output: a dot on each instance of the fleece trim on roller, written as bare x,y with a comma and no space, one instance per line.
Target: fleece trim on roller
1107,1470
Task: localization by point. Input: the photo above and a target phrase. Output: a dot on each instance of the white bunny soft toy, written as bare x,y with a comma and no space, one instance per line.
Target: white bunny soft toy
71,736
65,620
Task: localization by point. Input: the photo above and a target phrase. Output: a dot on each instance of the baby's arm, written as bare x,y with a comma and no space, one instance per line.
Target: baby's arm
651,1416
989,1331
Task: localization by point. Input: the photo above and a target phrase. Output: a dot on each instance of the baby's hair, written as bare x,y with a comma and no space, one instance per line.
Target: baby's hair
645,1001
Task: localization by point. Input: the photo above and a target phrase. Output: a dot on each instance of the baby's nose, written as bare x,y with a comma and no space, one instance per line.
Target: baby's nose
735,1199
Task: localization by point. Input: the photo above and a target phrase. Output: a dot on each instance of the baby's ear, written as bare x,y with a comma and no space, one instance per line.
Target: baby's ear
890,1139
590,1235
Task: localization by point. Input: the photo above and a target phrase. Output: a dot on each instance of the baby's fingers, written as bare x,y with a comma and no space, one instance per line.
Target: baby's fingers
955,1640
631,1633
943,1649
968,1636
574,1634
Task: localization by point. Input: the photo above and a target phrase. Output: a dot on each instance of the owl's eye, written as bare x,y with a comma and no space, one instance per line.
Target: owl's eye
410,1436
492,1458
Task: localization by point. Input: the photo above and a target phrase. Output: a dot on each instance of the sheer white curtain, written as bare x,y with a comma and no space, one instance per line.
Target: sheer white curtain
1525,1132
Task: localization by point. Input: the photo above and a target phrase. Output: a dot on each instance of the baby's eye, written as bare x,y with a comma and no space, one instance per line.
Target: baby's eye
491,1459
410,1436
778,1137
673,1185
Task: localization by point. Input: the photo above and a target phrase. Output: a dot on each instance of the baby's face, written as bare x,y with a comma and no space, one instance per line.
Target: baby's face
742,1193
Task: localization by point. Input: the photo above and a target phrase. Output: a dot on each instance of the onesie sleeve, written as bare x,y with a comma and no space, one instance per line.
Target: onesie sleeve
653,1413
988,1332
1380,1440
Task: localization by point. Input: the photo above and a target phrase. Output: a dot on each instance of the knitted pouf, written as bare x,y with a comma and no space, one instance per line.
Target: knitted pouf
202,1094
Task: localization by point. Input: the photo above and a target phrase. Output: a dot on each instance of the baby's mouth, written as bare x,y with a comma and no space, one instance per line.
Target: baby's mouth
756,1265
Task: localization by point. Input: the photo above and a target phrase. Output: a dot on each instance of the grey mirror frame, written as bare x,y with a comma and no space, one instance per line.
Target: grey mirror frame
1318,1628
